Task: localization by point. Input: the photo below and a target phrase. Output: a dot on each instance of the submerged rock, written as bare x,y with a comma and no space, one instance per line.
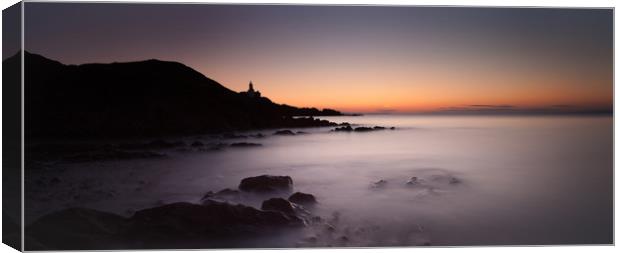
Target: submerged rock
379,184
303,199
197,144
454,180
363,129
284,132
266,183
258,135
233,136
245,144
165,144
346,128
413,181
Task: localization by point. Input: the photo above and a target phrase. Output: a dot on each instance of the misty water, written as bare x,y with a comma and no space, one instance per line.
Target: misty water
481,180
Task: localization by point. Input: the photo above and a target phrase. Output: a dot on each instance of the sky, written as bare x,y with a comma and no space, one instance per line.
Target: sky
353,58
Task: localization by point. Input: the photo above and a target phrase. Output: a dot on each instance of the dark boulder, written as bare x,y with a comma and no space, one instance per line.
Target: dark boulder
346,128
75,229
211,218
258,135
284,132
245,144
164,144
278,204
303,199
233,136
176,225
363,129
197,144
266,183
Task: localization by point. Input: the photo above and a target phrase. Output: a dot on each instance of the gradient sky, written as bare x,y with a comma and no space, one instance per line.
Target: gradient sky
352,58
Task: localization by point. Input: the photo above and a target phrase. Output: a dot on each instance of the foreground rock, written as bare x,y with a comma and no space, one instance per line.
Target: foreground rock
286,207
303,199
278,204
76,229
266,183
177,225
181,221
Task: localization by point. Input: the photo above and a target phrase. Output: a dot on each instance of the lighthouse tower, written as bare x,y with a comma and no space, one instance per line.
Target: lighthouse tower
251,92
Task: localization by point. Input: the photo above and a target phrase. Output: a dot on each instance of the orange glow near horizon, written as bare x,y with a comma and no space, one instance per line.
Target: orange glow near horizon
428,90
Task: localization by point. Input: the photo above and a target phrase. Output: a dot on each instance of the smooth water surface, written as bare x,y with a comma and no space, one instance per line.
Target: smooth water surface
482,179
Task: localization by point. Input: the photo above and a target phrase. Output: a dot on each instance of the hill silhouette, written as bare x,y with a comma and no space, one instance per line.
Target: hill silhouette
139,99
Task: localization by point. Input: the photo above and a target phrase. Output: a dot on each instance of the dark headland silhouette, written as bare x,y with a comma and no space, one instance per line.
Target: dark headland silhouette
140,99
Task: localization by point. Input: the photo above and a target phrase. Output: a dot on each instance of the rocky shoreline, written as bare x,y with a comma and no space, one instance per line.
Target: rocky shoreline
218,219
126,149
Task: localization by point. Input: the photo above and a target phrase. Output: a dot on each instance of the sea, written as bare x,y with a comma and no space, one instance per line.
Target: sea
439,180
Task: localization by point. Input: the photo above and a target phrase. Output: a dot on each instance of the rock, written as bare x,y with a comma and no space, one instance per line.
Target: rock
216,146
76,229
303,199
392,128
233,136
284,132
245,144
228,192
301,132
311,239
212,218
164,144
454,180
379,184
197,144
112,154
316,219
329,227
278,204
413,181
346,128
266,183
363,129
